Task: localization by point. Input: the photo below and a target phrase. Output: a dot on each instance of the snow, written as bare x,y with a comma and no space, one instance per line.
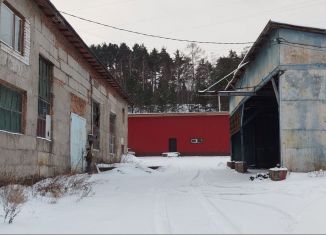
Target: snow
178,108
171,154
129,158
104,165
186,195
278,169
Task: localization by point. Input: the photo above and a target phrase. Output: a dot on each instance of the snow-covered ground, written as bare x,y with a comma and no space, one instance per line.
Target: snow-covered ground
186,195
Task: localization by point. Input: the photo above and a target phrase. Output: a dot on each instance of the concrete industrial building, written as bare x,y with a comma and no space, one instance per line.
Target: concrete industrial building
53,93
278,100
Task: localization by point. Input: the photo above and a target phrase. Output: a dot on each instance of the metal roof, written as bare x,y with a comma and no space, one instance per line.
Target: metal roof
264,35
54,16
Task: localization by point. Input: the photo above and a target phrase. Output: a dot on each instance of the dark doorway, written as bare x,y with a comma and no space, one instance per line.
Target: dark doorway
172,145
258,141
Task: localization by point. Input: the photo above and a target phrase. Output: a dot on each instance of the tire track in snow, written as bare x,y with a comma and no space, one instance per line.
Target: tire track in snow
195,177
215,213
161,216
290,219
162,224
211,208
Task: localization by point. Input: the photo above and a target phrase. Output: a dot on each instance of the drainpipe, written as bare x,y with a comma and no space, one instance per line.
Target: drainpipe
91,82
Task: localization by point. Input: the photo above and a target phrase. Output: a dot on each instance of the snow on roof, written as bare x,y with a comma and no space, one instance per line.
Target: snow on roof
178,114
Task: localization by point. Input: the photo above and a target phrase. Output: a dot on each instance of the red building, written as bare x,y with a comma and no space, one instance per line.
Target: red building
192,134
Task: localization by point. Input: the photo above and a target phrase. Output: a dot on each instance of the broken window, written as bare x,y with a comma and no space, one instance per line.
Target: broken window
112,140
96,125
11,25
10,110
44,100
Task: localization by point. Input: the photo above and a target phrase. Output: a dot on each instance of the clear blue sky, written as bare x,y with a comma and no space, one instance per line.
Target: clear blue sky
205,20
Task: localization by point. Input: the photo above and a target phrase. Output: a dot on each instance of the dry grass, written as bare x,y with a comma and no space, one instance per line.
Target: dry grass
12,198
13,194
8,177
62,185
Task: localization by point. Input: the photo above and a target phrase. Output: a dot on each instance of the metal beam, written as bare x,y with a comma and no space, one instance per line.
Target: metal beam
222,79
236,93
276,91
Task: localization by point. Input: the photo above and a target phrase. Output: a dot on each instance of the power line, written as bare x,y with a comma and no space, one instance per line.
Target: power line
155,36
284,41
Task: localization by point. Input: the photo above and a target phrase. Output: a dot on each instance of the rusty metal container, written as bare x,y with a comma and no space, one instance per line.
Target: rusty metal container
278,174
241,167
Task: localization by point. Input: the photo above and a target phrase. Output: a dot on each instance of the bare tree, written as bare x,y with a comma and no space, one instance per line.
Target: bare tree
196,54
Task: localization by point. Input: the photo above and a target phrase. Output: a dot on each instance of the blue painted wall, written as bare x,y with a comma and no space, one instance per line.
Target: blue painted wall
266,60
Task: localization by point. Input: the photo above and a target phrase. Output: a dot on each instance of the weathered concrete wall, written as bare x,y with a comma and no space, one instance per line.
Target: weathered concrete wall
291,53
26,153
257,70
303,119
303,100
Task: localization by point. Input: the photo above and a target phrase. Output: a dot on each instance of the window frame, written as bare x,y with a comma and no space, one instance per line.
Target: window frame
21,112
96,139
112,135
197,140
16,15
41,119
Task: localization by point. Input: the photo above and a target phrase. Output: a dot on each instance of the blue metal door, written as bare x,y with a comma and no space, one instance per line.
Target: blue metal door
77,142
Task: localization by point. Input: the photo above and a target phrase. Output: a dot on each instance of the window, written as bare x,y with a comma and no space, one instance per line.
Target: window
11,26
123,115
112,140
44,99
96,125
197,141
10,110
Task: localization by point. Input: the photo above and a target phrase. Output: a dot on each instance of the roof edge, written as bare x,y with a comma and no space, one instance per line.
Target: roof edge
58,21
267,29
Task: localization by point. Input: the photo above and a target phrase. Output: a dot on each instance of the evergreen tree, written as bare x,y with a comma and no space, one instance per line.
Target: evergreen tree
159,83
202,81
224,66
